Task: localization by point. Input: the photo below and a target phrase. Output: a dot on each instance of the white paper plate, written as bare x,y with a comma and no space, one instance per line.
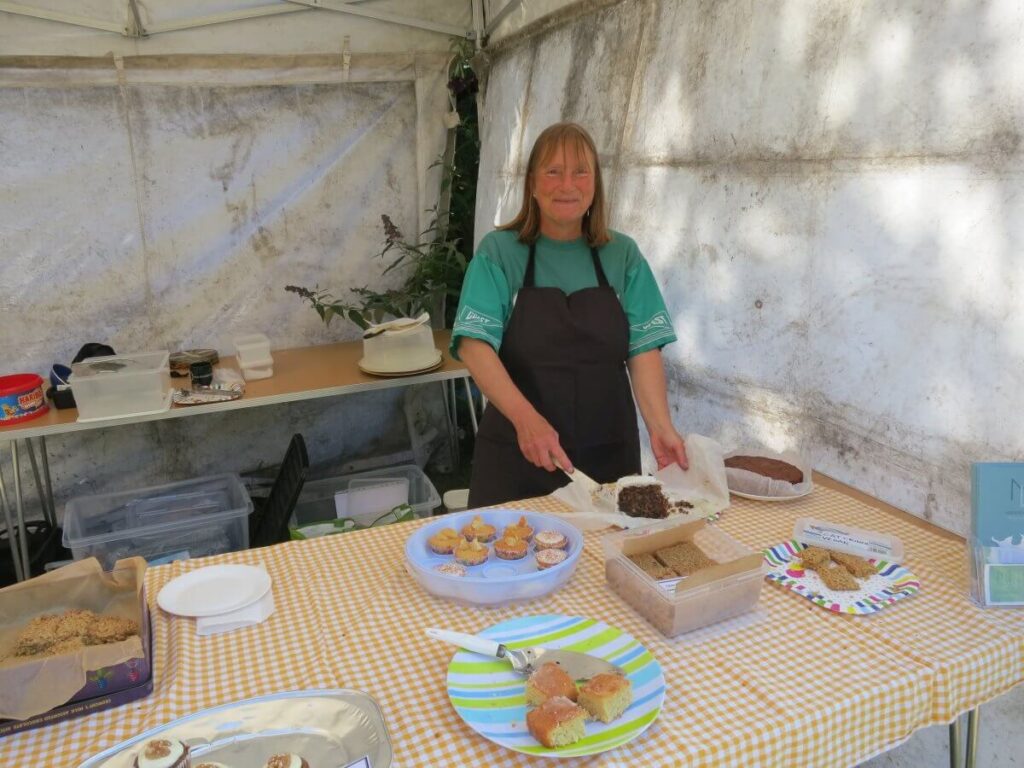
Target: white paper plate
791,497
214,590
399,371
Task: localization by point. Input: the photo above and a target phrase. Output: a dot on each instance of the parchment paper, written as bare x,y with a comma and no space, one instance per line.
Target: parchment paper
703,485
31,686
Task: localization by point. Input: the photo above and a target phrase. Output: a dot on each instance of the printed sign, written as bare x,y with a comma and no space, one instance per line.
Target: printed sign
854,541
1004,584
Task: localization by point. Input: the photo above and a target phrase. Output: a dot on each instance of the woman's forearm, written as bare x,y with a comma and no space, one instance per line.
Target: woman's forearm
647,375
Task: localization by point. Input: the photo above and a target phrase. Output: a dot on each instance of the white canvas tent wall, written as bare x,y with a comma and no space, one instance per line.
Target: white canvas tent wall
830,194
166,168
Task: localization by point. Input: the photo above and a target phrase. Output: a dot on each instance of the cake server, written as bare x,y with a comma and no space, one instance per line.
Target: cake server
580,666
582,479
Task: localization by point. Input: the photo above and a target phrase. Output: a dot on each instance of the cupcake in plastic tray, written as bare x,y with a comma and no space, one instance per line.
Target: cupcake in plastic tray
495,581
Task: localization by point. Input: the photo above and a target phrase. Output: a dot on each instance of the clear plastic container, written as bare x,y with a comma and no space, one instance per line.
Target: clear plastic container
317,502
703,598
995,547
495,582
192,518
408,349
121,385
252,351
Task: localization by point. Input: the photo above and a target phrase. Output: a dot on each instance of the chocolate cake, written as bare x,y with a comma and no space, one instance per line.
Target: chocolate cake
776,469
643,501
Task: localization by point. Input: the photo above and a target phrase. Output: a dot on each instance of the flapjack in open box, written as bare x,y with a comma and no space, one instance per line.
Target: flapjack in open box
682,576
72,642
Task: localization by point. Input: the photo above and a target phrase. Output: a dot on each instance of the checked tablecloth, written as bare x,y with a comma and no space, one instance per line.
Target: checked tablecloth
787,684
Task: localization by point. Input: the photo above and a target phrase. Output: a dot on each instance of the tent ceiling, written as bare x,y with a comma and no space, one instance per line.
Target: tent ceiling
293,25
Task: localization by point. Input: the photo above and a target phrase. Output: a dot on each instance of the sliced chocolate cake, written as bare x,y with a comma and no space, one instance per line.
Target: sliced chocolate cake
643,500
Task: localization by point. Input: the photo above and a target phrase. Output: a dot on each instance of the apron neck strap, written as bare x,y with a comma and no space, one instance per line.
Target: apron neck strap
602,279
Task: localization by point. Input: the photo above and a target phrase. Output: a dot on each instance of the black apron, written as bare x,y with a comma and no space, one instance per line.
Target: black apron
567,354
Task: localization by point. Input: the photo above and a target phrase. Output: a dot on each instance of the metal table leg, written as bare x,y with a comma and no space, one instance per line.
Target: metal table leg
48,480
12,534
40,491
472,405
19,507
973,718
954,744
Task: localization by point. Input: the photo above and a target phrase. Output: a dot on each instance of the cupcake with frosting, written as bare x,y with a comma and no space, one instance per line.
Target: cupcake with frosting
549,558
478,530
444,541
471,552
451,569
162,753
521,530
289,760
550,540
510,547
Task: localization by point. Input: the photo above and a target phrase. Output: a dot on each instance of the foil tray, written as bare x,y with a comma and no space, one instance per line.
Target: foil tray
330,728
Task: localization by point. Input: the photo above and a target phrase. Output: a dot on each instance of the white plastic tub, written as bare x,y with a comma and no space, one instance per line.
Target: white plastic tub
192,518
121,385
252,352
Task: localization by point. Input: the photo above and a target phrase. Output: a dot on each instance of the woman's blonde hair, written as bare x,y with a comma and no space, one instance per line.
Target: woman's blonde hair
595,220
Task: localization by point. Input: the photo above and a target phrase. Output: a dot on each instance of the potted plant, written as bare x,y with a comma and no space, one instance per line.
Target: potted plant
434,270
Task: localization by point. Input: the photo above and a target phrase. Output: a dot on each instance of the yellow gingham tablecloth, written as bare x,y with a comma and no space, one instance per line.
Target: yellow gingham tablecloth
787,684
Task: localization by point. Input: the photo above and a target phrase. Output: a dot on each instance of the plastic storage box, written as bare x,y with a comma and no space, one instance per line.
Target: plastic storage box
710,595
193,518
121,385
253,355
365,496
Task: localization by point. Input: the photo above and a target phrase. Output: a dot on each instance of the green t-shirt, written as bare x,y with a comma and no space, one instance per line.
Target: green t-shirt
497,270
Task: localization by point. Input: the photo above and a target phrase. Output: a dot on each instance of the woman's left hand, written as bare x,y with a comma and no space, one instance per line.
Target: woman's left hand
669,447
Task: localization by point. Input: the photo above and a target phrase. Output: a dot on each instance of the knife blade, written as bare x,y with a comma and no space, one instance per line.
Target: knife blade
525,661
581,478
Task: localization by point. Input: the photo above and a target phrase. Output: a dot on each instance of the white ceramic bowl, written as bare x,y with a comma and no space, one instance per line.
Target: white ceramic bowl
495,582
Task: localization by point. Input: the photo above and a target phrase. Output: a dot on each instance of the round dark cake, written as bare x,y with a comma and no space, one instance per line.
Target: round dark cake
776,469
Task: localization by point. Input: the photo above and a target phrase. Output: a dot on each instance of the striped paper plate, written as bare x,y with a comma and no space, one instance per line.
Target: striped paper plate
892,582
491,698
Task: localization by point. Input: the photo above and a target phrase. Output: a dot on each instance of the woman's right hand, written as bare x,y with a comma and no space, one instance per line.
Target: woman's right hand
539,443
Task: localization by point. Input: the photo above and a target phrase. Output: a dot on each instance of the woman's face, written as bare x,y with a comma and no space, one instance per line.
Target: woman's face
563,186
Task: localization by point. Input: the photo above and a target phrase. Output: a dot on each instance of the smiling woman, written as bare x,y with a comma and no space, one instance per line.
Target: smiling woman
554,307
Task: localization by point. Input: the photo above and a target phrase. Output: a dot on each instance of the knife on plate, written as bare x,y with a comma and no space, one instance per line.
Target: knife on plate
525,661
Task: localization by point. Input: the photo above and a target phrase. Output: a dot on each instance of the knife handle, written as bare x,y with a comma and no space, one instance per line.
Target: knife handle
469,642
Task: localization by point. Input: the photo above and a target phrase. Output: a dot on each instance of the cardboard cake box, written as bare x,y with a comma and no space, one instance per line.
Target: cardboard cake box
40,690
728,588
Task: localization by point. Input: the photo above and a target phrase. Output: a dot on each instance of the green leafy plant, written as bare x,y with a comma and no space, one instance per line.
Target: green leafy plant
434,269
434,263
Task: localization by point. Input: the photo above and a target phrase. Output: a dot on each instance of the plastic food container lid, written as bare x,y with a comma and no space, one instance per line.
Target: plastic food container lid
19,383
